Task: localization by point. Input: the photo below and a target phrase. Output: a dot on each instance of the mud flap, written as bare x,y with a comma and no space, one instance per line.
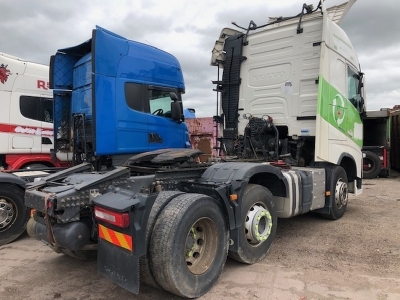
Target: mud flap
119,265
119,248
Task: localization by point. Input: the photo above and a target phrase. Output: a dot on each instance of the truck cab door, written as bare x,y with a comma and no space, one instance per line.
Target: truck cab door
166,129
340,105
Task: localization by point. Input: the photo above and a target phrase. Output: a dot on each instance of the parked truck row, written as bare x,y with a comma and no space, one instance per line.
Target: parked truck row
290,128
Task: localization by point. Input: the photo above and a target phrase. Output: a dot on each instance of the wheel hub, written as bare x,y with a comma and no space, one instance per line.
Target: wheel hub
191,242
258,224
6,213
201,246
341,193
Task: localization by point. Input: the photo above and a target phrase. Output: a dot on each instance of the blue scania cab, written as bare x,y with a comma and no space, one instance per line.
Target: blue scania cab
113,98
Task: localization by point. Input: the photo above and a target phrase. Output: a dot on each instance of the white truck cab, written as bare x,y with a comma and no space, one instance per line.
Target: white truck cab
26,122
301,74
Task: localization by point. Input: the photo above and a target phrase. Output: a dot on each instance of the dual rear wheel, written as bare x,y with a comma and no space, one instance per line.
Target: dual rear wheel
189,245
188,239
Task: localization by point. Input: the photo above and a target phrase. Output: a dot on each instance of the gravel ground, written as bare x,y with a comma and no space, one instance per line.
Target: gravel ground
356,257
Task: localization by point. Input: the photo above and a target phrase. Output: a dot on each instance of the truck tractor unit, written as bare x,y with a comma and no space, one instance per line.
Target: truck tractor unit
291,107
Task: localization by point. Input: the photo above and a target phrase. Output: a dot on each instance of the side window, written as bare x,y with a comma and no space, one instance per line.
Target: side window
353,84
337,75
36,108
150,99
48,110
160,102
135,95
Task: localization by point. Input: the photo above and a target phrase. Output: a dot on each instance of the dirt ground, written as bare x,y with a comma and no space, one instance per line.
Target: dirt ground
356,257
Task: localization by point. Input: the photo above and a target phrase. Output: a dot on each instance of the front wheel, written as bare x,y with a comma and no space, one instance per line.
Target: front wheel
339,195
189,245
257,232
14,214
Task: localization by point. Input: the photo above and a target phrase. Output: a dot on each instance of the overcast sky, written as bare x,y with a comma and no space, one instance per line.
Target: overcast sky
35,29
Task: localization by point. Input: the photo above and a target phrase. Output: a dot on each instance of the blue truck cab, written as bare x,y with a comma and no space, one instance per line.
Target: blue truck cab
113,98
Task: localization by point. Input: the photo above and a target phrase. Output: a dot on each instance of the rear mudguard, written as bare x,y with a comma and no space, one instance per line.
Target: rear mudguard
232,178
119,249
12,178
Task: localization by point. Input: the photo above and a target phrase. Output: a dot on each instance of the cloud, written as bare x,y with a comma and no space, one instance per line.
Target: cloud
371,26
35,30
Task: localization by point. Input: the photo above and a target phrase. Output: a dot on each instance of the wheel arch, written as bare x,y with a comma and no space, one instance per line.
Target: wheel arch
12,179
44,163
348,163
19,161
236,176
277,185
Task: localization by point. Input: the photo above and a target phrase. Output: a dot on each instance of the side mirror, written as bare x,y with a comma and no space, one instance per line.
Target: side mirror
176,112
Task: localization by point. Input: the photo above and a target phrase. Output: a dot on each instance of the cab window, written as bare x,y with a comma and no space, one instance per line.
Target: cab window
36,108
353,87
160,102
149,99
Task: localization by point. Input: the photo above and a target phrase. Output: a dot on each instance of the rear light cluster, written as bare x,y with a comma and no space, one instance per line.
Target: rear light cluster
111,217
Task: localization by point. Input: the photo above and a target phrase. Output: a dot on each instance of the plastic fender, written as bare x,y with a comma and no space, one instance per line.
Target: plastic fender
11,178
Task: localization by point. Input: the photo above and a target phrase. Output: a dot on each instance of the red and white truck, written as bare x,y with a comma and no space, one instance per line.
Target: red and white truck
26,122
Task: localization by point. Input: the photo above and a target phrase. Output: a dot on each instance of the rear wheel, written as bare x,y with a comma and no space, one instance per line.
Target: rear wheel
189,245
372,165
13,213
257,232
161,201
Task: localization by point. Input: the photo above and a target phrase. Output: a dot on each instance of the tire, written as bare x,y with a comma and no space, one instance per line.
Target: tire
337,182
14,214
372,165
189,245
85,255
146,275
259,211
